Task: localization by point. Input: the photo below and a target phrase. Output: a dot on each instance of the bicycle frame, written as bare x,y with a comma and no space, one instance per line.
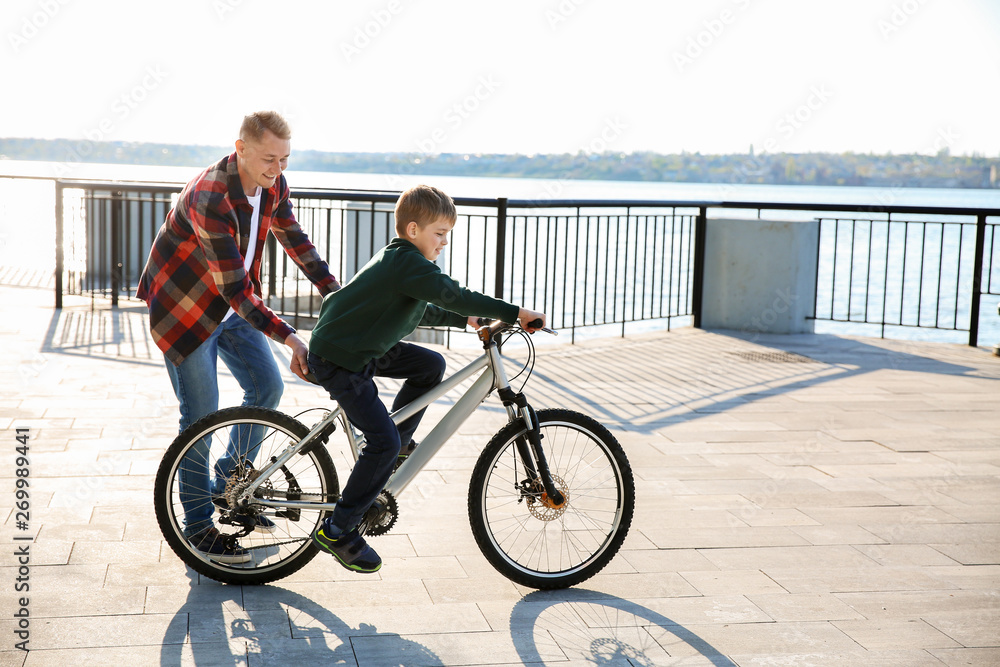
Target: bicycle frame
494,379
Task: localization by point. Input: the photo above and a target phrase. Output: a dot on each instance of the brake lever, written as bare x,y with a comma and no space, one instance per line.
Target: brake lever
537,326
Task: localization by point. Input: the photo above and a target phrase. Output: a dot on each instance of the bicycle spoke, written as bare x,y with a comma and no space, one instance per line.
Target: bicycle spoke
211,465
519,529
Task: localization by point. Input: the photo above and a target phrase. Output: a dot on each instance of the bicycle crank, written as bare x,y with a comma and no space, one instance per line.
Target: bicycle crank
380,517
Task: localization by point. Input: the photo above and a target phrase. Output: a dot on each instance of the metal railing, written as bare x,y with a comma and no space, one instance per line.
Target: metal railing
586,263
906,273
103,248
912,267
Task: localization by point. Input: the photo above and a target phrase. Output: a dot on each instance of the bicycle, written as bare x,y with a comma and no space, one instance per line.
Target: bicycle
550,499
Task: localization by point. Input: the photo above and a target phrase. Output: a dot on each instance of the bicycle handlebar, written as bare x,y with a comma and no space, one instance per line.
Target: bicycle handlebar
534,324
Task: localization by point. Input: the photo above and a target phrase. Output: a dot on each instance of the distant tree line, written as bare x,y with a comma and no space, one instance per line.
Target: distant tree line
905,170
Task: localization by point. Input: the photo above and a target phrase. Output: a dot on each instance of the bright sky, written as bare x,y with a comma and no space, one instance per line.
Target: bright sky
529,76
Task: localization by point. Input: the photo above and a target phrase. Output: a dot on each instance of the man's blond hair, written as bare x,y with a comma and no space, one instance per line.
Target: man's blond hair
256,124
423,204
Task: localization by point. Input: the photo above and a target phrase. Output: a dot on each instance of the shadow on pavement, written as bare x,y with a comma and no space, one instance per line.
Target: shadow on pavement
586,627
216,634
642,384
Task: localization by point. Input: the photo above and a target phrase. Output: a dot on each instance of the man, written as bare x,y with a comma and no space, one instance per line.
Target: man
202,285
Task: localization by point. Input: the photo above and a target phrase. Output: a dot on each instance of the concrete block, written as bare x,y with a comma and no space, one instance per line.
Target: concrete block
760,275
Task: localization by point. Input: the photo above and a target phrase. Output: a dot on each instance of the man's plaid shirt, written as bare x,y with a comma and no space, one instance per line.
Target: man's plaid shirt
196,270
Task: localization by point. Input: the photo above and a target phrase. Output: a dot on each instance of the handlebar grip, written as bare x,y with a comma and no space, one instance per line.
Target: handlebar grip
535,324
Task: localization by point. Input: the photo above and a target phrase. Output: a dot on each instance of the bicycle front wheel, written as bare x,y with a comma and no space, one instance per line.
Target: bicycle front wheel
519,530
210,462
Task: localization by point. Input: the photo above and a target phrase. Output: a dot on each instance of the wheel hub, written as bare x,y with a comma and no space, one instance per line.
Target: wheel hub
542,506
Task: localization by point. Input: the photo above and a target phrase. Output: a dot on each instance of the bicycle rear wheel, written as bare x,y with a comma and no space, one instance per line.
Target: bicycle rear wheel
213,458
518,529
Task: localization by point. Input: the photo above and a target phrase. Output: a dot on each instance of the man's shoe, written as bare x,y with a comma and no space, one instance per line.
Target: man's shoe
350,550
264,525
211,542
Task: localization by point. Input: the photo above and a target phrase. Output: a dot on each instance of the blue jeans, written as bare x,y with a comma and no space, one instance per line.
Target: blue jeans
245,352
357,394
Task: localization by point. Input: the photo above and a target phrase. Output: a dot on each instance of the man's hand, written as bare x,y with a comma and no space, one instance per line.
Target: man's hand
300,355
524,316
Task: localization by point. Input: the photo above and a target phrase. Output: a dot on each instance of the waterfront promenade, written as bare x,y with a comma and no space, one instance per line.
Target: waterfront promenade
801,500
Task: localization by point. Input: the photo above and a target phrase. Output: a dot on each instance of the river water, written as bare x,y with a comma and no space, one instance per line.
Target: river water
27,228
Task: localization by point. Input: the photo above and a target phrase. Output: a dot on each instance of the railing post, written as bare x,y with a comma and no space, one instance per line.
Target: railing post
977,280
698,271
59,244
501,247
116,258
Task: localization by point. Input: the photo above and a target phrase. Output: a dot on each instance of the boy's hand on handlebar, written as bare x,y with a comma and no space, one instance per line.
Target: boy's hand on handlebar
530,320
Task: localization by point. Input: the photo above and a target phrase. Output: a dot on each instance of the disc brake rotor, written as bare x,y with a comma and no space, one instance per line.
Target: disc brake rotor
541,505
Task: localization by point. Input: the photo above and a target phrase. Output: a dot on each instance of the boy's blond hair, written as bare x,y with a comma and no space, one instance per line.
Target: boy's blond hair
256,124
423,204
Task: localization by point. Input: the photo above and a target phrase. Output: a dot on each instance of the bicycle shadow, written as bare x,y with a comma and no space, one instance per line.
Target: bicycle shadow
592,628
215,629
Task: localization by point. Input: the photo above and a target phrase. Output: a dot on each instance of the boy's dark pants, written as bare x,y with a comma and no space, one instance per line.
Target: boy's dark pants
357,394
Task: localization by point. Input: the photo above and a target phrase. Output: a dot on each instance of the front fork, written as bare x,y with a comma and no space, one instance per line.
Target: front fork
529,446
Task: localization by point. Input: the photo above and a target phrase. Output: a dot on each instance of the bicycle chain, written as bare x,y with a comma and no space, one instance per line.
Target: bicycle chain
276,544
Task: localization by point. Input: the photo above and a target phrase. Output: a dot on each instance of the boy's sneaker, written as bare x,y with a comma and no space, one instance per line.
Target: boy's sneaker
350,550
211,542
404,453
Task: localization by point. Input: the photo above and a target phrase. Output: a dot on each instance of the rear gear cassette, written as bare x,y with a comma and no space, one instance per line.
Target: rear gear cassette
237,483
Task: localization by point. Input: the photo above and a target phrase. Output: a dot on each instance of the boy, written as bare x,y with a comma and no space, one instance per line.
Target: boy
358,337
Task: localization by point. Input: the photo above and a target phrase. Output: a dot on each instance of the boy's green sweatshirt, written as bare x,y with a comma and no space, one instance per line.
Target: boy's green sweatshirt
389,298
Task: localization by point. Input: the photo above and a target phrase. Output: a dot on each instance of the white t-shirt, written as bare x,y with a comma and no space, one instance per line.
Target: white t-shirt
252,246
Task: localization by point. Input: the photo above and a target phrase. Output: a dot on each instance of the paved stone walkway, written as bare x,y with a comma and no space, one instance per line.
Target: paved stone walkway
802,500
